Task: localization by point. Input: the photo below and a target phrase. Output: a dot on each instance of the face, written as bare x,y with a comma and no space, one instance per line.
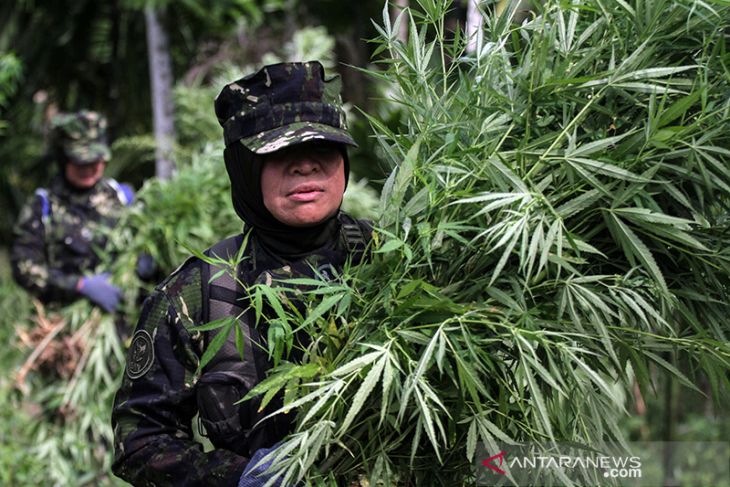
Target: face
84,176
302,185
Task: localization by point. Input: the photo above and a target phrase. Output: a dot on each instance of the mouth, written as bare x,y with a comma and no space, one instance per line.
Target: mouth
305,192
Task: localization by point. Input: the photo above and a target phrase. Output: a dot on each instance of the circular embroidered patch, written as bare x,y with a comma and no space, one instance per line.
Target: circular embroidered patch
141,355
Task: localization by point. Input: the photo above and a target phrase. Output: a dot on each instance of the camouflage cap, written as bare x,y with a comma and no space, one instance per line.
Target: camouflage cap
81,136
282,105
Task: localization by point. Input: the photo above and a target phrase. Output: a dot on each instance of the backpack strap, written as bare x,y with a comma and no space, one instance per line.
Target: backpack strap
356,235
220,297
233,371
42,194
124,191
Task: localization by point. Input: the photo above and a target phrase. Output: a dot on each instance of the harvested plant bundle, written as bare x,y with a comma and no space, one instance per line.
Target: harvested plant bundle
68,381
554,226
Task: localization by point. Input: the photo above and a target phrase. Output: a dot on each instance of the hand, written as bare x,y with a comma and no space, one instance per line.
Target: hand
253,475
100,291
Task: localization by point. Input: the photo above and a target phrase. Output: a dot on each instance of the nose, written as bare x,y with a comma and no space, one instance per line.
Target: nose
304,166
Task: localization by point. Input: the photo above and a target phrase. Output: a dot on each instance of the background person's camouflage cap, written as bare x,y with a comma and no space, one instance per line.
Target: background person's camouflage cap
282,105
81,136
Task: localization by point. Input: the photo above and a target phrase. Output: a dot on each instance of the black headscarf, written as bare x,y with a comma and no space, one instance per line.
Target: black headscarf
284,241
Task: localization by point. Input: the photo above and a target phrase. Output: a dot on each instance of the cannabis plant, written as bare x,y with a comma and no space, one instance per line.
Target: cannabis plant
554,228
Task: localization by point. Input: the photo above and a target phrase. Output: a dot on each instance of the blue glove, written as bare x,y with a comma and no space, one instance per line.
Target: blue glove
253,476
100,291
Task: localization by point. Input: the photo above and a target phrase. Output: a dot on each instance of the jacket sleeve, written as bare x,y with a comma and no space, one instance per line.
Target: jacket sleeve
29,258
155,405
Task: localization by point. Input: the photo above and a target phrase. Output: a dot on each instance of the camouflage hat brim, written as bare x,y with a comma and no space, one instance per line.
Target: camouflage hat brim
295,133
82,153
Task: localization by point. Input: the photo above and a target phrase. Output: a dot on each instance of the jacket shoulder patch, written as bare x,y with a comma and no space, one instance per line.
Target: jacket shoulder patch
141,355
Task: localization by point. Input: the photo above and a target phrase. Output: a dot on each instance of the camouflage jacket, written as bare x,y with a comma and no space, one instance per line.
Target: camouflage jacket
58,234
162,390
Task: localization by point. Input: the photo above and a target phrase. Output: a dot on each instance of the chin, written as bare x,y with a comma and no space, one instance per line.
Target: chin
84,184
306,220
300,223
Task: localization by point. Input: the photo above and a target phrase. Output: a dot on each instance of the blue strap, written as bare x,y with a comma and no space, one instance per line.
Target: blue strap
42,194
128,193
124,191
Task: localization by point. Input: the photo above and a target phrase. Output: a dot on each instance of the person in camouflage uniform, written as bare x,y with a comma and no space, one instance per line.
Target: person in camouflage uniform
286,139
60,230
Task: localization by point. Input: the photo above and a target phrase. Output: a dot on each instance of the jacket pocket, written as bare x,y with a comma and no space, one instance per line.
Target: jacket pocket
224,420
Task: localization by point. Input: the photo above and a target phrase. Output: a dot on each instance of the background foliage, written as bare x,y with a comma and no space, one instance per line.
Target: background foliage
93,55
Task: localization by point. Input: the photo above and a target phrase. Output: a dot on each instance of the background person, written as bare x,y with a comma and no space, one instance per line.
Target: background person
61,229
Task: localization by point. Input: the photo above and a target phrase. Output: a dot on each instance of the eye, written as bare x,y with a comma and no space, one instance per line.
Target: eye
327,151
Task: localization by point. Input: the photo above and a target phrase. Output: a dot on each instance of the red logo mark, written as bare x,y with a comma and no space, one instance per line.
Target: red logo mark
488,463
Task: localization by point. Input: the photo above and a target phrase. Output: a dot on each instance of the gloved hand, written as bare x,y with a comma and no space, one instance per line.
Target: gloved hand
100,291
253,476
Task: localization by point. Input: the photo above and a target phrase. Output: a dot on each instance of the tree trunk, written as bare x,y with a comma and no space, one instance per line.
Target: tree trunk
396,9
160,65
522,9
474,22
112,72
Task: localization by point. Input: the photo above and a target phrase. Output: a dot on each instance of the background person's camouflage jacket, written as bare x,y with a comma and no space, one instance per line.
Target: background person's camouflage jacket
59,233
162,389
